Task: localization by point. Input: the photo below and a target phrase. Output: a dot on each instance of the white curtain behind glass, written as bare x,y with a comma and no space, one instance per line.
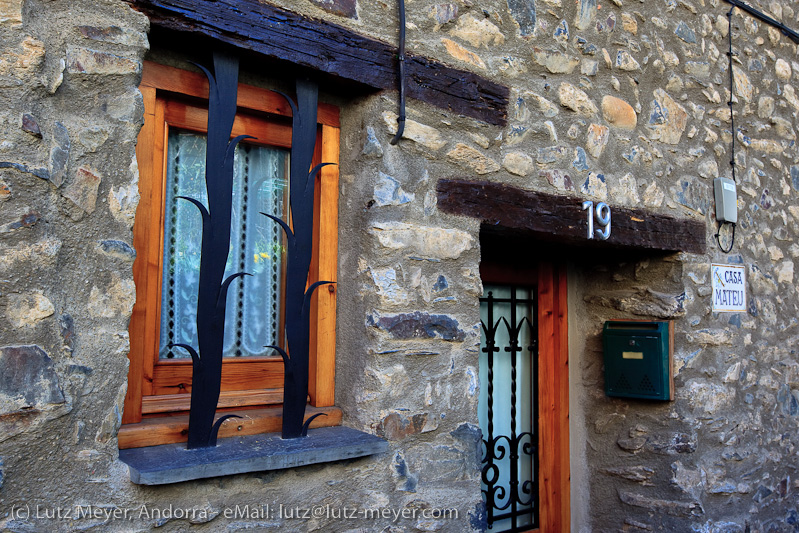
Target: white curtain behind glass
253,308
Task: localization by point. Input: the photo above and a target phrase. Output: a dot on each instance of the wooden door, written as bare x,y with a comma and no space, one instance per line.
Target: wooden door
524,402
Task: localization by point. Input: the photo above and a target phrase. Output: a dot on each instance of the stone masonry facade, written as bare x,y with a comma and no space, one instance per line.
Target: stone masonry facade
622,101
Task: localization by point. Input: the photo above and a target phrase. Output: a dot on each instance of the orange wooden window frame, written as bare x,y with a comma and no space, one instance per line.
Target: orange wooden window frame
554,478
158,391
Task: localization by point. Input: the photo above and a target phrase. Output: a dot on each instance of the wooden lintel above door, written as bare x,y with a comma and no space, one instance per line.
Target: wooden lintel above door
331,49
562,218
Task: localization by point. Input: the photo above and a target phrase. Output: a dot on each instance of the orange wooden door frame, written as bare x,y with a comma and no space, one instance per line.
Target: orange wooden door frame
553,382
553,399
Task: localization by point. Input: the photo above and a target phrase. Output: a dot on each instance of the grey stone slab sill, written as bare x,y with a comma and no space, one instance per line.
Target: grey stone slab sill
173,463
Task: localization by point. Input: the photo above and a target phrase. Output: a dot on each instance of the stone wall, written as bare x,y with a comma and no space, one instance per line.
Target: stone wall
623,101
70,116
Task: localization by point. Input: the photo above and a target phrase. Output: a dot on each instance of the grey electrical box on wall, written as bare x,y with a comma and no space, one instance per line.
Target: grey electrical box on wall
726,200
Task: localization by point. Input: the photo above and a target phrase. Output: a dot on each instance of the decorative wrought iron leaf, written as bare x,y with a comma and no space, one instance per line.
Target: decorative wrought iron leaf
212,290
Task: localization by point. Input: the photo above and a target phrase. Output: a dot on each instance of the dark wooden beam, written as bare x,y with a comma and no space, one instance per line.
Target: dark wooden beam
562,219
333,49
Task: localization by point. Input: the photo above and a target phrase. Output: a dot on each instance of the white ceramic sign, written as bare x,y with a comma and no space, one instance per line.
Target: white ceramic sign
729,288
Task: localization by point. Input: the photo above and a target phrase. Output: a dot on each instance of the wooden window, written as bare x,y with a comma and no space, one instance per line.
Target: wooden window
170,154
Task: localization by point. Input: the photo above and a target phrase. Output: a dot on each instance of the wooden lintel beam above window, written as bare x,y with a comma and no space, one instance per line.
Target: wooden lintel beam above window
332,49
562,218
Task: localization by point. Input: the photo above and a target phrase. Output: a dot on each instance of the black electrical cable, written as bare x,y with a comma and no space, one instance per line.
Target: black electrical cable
788,32
730,102
732,240
401,59
732,128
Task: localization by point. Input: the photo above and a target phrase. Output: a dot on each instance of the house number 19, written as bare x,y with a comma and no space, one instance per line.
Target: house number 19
600,215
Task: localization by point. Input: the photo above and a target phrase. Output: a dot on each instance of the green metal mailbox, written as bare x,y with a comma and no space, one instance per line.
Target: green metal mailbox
639,359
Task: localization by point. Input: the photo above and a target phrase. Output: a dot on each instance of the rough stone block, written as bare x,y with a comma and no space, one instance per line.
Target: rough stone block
30,125
11,11
625,61
472,159
385,279
671,507
619,113
518,163
555,61
783,70
685,33
117,249
419,325
586,14
524,13
595,185
558,179
576,100
26,310
40,253
580,161
83,189
643,302
93,137
427,136
113,34
59,154
25,221
708,396
628,23
639,474
462,54
372,146
597,139
116,299
443,13
477,32
667,119
27,379
388,191
123,200
342,8
22,62
426,241
87,61
407,480
68,335
397,427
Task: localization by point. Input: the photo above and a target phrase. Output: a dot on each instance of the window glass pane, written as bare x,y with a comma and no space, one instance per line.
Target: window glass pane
256,247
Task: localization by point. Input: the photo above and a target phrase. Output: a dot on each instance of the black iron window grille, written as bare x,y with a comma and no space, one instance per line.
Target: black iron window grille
508,408
214,277
230,216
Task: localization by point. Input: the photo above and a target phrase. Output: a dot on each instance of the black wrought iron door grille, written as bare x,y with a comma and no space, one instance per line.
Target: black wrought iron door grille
515,502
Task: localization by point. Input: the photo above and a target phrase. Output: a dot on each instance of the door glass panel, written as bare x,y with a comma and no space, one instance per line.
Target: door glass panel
507,408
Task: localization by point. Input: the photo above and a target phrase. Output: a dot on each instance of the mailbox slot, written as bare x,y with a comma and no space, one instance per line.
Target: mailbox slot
639,359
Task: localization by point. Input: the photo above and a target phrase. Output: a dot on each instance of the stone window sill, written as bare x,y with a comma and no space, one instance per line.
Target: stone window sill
173,463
